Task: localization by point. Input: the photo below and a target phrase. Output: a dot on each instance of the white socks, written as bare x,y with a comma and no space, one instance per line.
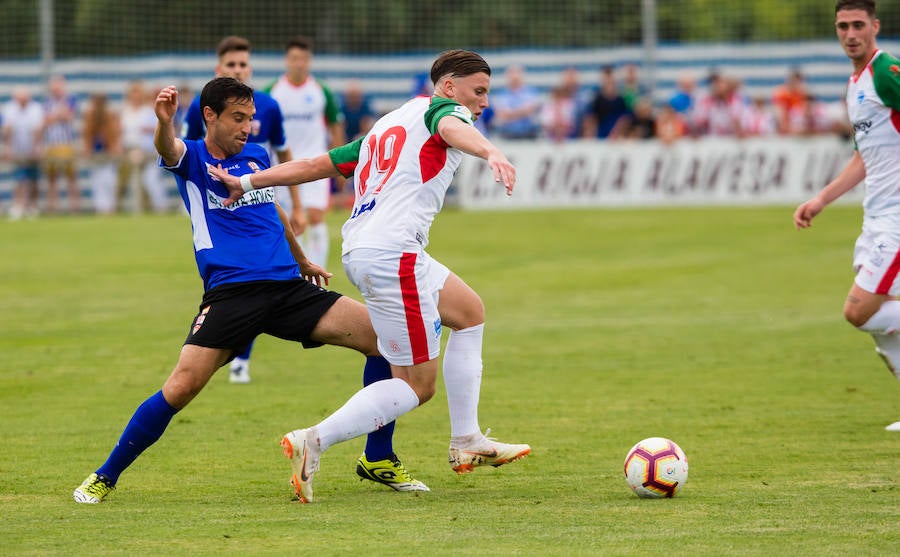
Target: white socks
369,409
316,244
462,379
385,401
884,327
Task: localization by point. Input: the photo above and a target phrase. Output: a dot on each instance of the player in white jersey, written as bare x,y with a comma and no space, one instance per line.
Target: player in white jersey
403,168
873,98
313,124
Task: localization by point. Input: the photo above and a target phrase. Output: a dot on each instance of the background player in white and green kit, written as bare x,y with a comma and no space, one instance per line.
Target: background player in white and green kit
873,104
313,123
402,168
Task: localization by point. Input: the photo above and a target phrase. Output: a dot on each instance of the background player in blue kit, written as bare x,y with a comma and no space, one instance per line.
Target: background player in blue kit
251,267
267,130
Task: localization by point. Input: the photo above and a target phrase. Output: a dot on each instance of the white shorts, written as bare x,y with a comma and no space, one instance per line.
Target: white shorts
313,195
876,256
401,293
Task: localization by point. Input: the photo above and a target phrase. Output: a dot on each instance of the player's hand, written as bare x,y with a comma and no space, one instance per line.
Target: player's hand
166,104
298,221
504,171
805,213
232,183
315,274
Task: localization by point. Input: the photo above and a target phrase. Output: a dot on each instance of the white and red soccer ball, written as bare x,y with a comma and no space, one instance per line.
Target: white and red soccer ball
656,467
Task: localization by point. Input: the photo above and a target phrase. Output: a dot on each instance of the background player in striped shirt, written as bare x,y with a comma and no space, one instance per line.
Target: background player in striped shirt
60,140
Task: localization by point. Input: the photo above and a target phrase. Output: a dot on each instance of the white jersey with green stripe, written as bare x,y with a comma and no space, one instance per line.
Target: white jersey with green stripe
873,105
402,169
308,110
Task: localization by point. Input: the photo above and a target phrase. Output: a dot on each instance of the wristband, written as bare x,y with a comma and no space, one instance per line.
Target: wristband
245,183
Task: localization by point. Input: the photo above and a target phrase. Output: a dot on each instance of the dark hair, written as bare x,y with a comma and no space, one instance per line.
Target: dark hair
232,43
299,41
458,63
867,5
220,91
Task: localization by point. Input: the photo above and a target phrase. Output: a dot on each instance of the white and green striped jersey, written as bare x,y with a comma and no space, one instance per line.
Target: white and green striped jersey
308,110
402,169
873,105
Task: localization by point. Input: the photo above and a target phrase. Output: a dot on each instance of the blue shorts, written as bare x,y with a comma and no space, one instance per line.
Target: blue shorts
26,171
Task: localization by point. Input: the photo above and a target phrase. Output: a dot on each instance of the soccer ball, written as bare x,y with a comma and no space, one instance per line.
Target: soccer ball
656,467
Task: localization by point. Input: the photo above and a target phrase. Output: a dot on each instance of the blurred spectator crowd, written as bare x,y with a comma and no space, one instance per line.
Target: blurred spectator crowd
59,142
52,147
55,140
619,107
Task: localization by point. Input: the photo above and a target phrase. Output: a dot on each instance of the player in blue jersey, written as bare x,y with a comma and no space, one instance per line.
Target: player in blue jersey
267,130
251,267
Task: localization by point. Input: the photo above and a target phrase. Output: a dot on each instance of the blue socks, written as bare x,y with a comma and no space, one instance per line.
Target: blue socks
146,426
153,416
379,443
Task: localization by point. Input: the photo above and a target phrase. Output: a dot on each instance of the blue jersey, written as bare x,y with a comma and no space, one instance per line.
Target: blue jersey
267,127
243,242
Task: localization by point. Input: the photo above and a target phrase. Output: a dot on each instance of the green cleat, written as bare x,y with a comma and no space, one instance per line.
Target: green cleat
93,489
389,472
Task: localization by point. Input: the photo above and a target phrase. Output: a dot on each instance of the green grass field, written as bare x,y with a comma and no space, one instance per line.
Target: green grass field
719,328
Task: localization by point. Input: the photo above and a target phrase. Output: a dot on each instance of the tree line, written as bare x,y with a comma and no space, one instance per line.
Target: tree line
117,27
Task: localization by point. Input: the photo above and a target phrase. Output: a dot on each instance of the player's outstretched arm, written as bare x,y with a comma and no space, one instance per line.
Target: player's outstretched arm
169,147
467,139
852,174
297,171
